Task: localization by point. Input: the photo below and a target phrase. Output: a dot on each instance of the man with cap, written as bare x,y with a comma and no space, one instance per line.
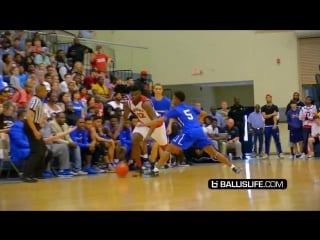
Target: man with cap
144,84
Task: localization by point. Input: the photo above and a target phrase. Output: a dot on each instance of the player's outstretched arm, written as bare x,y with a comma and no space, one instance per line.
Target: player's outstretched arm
155,122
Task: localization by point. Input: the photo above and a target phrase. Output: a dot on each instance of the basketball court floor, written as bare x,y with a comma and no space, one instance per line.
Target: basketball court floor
179,188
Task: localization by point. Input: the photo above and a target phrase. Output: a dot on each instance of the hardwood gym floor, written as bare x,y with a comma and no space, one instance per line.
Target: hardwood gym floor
176,189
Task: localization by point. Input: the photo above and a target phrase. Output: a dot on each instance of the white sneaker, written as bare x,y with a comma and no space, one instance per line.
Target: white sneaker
81,173
183,164
291,157
99,170
302,156
311,155
280,156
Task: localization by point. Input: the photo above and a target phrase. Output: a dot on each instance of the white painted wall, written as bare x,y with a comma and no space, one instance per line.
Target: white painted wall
223,56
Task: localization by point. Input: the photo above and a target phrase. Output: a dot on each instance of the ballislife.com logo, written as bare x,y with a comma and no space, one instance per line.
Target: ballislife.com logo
247,184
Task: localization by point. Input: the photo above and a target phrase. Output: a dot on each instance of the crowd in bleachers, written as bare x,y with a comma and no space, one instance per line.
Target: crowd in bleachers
80,93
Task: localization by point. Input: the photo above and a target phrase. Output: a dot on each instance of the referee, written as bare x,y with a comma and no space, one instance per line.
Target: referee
35,163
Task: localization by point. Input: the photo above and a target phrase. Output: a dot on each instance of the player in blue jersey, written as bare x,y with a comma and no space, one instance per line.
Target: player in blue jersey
162,105
192,133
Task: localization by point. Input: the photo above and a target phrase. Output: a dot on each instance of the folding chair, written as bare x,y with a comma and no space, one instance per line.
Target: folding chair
12,165
5,158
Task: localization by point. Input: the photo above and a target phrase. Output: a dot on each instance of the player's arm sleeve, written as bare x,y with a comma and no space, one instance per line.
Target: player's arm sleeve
171,114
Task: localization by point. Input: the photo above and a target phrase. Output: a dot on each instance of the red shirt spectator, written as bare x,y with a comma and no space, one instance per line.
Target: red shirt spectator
99,105
23,96
91,79
100,60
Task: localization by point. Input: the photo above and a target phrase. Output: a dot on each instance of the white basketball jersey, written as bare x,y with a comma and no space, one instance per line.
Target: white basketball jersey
139,111
309,112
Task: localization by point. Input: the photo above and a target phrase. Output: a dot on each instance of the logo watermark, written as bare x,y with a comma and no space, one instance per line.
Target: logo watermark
247,184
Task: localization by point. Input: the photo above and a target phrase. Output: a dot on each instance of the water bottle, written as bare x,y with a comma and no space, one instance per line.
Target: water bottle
230,157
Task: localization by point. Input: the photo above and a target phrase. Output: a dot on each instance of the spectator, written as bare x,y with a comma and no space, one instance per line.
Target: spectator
306,114
295,127
55,150
100,61
71,116
38,37
5,47
19,144
224,111
237,112
144,83
51,108
256,128
14,79
296,98
315,135
270,113
216,115
59,125
212,129
233,139
76,50
6,122
80,136
19,34
23,96
100,91
90,79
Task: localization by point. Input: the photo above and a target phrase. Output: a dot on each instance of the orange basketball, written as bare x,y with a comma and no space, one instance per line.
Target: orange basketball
122,169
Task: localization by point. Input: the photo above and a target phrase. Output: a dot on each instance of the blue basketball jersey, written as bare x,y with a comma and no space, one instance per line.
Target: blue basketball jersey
192,133
186,115
162,106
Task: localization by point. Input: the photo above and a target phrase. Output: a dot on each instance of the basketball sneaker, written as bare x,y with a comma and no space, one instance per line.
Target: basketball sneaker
65,173
146,165
236,169
152,173
47,174
183,164
90,170
310,155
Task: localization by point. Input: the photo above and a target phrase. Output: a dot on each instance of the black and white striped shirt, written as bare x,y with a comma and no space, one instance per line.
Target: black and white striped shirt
36,106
